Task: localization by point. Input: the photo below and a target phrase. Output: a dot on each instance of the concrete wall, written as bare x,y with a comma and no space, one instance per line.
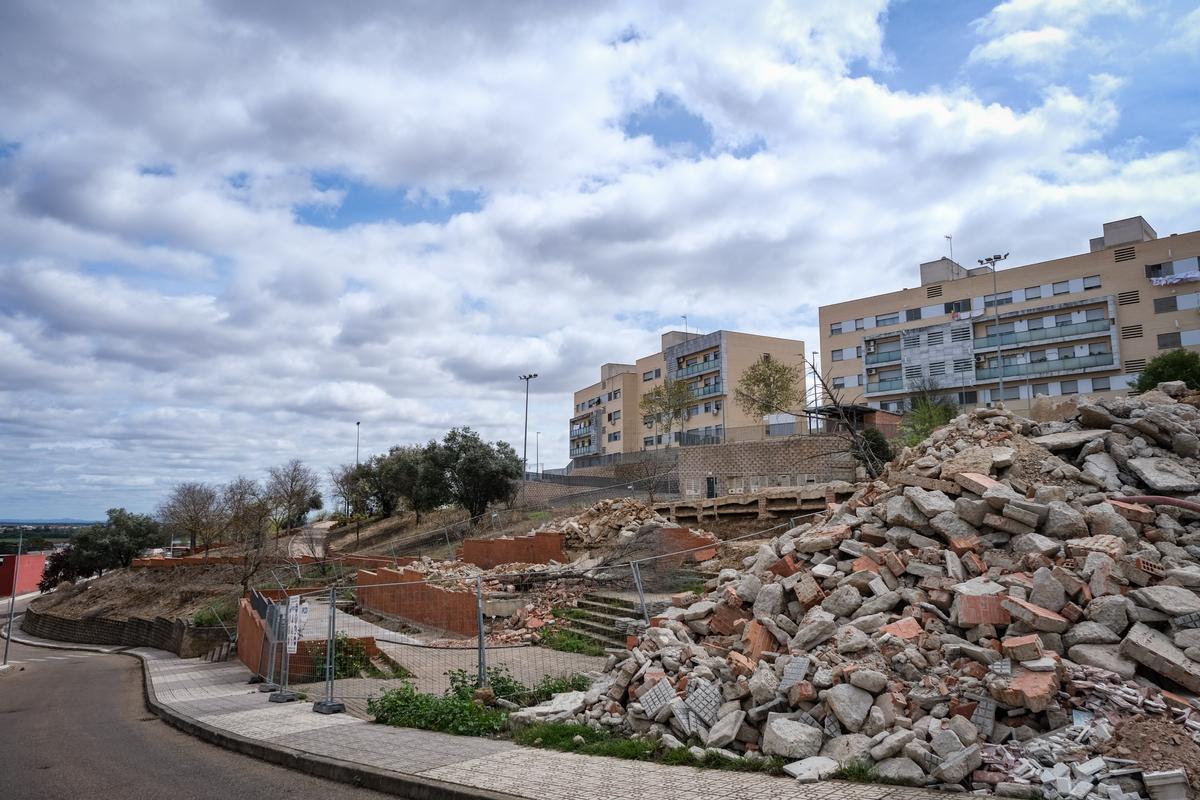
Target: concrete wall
535,548
403,593
162,633
748,465
28,576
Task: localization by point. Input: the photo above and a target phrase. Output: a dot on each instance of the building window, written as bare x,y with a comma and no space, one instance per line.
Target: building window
886,319
1010,393
858,351
613,416
859,324
839,383
1062,287
1035,324
648,441
837,355
1066,352
1163,305
912,314
1101,384
1099,349
1168,341
1069,387
648,376
968,398
1033,292
1041,389
958,306
835,328
614,437
1003,327
1037,356
1061,320
1091,282
1095,314
1001,299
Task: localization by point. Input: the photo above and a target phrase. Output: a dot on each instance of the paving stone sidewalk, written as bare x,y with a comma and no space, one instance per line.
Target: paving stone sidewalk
219,696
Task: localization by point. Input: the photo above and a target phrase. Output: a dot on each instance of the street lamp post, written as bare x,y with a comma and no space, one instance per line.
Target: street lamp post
537,453
525,439
992,261
357,439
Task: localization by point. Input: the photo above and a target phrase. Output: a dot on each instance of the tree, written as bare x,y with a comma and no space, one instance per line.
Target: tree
874,446
192,510
928,409
291,492
1173,365
769,386
245,517
347,493
109,545
666,406
472,473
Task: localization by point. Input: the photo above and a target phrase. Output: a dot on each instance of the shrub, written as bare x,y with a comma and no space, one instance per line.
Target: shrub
503,684
876,444
1173,365
599,742
223,612
926,416
566,641
405,707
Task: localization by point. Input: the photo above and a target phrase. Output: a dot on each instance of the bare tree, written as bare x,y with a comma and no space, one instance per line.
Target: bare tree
245,517
292,491
193,510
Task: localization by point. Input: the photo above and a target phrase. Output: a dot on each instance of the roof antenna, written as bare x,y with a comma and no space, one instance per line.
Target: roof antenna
949,237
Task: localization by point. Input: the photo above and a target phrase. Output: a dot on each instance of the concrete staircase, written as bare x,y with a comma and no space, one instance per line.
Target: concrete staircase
604,618
222,652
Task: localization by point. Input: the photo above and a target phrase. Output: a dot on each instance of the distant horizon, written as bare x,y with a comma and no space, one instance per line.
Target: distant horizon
50,521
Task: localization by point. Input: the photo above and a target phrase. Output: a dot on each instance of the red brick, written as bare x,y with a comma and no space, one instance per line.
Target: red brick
724,619
758,640
1134,512
1072,612
785,567
1023,648
1028,689
904,628
739,663
961,545
974,564
981,610
808,591
1036,617
865,564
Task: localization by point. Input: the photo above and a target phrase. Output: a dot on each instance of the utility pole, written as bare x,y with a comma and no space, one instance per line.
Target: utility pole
537,453
992,261
12,600
525,440
357,439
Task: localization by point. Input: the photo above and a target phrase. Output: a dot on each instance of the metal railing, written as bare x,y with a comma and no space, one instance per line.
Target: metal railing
1047,367
696,369
583,451
884,357
577,432
1042,334
705,391
886,386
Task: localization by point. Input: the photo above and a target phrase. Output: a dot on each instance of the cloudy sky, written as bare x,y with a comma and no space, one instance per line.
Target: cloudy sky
228,230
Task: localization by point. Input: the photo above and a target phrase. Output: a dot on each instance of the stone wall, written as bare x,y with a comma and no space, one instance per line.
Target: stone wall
173,635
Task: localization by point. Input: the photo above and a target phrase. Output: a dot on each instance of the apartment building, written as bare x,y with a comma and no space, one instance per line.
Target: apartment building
606,418
1086,323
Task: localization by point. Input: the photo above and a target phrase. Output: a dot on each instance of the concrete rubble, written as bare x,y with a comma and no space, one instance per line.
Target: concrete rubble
983,617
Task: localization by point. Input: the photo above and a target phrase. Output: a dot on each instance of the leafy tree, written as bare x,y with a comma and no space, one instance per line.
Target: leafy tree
769,386
97,548
1173,365
871,447
291,492
193,511
472,473
666,406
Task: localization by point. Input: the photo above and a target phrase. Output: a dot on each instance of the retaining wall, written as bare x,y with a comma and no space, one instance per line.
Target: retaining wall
534,548
402,593
161,633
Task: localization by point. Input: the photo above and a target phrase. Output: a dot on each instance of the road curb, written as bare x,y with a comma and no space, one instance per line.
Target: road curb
397,783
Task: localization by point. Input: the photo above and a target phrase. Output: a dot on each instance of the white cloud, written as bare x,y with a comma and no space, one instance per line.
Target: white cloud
1039,33
161,327
1026,48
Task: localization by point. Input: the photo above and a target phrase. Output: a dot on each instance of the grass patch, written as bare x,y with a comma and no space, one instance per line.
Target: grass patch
565,612
503,684
538,516
221,612
863,772
594,742
566,641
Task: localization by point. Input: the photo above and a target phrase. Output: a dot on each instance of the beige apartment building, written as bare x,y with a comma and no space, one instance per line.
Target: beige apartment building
1086,323
606,419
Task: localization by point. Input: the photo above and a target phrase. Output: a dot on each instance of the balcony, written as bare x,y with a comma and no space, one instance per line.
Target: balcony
705,391
893,385
1047,367
584,451
577,432
1043,334
696,369
885,357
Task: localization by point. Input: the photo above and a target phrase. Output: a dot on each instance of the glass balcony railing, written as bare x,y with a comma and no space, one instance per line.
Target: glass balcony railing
705,391
1045,367
577,432
583,451
894,385
1042,334
885,357
696,369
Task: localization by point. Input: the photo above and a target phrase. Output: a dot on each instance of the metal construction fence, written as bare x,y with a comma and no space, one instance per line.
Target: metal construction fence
522,636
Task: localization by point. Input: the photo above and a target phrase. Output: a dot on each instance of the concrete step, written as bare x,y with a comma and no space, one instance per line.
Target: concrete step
592,606
604,636
616,601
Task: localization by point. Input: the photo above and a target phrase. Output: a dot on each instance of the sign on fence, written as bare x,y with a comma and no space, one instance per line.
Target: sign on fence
293,624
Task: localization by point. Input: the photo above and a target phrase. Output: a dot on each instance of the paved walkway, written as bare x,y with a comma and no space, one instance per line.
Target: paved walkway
217,698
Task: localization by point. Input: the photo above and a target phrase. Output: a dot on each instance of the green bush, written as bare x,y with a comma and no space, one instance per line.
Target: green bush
221,612
405,707
463,684
1173,365
567,641
925,417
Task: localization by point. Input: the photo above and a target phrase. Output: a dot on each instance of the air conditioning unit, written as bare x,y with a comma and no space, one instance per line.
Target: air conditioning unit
981,359
738,490
870,347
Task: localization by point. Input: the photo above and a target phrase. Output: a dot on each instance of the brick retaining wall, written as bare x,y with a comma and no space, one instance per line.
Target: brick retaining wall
534,548
383,591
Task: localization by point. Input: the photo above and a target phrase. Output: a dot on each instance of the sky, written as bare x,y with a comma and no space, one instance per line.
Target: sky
229,231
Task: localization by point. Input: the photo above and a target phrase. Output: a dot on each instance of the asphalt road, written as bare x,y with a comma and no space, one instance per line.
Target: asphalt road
75,725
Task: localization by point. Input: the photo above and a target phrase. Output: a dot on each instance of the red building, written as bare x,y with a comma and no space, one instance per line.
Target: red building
28,576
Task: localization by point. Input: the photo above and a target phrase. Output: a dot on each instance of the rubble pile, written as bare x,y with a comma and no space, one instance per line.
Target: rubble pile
608,522
987,616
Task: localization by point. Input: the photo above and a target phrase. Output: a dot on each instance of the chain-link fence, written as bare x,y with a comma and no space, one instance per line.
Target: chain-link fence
517,638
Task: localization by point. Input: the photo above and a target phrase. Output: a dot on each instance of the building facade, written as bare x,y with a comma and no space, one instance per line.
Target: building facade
1086,323
607,420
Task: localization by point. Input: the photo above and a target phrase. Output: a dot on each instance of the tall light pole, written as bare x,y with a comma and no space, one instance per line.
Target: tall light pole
357,438
525,440
537,453
992,261
12,600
